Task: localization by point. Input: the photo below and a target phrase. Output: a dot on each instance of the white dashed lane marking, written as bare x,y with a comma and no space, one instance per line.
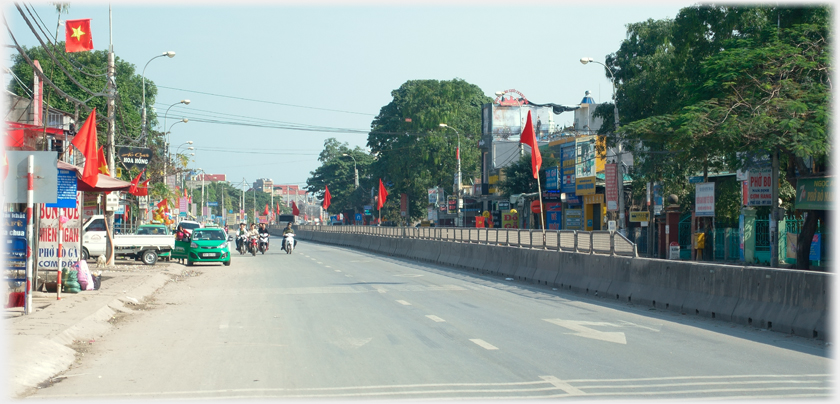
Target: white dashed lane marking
436,319
483,344
403,302
337,270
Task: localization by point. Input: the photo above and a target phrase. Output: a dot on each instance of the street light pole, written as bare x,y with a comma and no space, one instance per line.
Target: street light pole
458,156
355,171
170,54
166,140
202,193
619,166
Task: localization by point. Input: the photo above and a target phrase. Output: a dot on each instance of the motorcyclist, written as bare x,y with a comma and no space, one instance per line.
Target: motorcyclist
253,232
243,231
263,230
287,230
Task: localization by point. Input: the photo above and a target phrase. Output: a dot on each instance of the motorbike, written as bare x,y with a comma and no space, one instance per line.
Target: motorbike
253,245
290,242
243,244
263,242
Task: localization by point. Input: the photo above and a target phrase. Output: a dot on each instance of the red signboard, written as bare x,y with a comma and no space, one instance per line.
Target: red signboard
611,186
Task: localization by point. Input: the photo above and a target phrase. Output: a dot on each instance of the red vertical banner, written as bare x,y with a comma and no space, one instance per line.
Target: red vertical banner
403,205
611,186
479,222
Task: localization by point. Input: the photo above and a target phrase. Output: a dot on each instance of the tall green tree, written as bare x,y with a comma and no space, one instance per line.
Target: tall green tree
745,82
336,172
519,177
413,153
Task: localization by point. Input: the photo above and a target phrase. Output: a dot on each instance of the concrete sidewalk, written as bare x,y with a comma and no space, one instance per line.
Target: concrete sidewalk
39,345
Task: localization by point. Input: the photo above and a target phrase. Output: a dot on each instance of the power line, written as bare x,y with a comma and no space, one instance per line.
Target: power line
267,102
55,42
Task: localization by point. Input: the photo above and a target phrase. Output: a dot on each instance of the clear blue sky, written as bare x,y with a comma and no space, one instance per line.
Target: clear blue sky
346,57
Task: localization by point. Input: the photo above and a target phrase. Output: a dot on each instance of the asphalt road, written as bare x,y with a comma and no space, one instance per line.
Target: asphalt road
333,323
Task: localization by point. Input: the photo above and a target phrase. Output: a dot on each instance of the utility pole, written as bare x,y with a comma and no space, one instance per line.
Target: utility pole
774,213
112,92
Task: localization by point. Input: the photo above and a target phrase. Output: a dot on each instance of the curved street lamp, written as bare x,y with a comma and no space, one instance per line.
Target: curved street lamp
170,54
355,171
620,167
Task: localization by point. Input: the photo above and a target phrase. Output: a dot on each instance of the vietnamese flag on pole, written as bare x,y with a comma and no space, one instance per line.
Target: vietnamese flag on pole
144,190
85,141
529,137
327,197
266,211
383,195
103,163
163,205
133,189
295,210
78,38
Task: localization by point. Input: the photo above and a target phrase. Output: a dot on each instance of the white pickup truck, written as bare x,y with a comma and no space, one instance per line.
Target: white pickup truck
146,247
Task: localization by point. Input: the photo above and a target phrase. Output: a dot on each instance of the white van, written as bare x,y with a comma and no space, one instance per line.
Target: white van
146,247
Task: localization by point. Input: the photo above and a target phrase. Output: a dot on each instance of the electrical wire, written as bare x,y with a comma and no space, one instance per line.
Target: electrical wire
267,102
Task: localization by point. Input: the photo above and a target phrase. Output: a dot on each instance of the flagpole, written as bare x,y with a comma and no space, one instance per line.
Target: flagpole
542,218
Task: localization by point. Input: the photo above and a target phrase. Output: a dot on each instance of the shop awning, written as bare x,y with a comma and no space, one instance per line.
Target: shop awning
103,184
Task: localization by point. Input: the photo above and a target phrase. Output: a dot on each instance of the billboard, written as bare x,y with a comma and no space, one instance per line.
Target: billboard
611,186
567,161
551,178
510,220
585,185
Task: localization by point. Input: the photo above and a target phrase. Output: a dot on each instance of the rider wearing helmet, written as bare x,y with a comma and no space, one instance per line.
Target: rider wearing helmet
286,231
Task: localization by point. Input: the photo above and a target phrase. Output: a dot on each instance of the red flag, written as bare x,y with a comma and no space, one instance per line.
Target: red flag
164,205
295,210
85,141
265,212
327,197
383,195
103,162
78,38
144,190
277,208
133,189
530,138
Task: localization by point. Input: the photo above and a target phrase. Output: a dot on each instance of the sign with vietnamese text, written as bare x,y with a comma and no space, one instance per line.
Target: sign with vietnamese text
640,216
704,199
48,236
66,193
585,185
759,190
814,193
134,157
551,178
574,219
611,186
510,220
593,199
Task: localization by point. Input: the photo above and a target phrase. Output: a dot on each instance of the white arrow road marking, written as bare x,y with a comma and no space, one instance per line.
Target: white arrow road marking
403,302
435,318
483,344
641,326
562,385
586,332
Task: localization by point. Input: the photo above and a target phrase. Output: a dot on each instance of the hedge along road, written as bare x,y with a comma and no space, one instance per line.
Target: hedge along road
329,322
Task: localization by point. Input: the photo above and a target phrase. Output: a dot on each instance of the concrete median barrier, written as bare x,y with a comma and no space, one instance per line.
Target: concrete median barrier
788,301
527,265
547,267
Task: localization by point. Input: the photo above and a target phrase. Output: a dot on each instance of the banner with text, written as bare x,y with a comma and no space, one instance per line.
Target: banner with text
704,199
48,236
611,186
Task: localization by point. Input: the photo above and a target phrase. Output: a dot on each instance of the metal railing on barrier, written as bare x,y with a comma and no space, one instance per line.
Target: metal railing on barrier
601,242
587,242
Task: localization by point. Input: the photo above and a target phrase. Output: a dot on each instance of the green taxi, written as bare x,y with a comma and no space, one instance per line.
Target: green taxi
155,228
203,245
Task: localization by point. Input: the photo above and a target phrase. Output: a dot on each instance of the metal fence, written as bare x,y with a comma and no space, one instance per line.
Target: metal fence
588,242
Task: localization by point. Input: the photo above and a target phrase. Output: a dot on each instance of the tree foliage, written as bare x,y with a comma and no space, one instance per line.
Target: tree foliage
336,172
519,177
418,154
725,79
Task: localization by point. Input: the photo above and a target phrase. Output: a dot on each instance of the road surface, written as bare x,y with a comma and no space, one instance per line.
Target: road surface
334,323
